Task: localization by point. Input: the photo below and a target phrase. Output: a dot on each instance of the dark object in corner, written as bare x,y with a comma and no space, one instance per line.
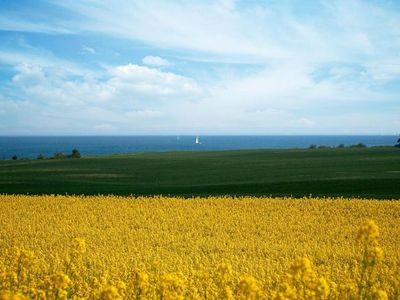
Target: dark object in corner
398,143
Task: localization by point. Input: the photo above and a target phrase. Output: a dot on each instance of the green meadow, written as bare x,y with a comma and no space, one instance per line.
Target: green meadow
348,172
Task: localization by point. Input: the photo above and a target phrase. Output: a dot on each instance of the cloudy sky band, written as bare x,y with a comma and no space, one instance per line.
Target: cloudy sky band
199,67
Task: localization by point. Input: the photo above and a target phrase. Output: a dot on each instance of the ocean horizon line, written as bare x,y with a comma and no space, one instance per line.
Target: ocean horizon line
194,134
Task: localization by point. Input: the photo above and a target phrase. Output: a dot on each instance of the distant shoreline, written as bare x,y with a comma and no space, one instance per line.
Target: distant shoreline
31,147
203,135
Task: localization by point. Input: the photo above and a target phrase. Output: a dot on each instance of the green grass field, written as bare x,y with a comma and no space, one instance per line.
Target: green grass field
348,172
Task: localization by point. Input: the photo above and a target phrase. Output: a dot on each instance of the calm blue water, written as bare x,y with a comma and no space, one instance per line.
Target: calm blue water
30,147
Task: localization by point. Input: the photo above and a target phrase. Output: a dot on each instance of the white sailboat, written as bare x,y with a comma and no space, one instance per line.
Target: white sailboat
197,140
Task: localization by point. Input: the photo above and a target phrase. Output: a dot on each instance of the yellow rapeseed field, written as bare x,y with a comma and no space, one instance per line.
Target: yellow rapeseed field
108,247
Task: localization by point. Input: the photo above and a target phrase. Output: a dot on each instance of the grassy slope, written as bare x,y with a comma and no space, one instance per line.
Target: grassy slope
371,172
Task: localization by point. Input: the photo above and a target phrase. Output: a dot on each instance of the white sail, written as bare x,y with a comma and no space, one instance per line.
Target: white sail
197,140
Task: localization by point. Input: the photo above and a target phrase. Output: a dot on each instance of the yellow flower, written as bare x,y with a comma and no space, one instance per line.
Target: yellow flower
78,245
249,288
187,239
140,281
368,231
374,254
8,296
25,258
110,293
380,295
301,266
323,288
173,286
60,281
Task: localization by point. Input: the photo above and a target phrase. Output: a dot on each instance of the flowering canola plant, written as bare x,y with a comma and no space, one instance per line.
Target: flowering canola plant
110,247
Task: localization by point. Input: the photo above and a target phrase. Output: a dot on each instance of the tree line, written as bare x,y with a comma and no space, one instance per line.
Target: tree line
75,153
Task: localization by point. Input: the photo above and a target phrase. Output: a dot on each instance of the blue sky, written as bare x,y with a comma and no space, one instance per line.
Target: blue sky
105,67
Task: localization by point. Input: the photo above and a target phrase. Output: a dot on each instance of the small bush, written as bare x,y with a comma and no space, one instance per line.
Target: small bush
340,146
359,145
312,146
14,157
59,155
40,156
75,154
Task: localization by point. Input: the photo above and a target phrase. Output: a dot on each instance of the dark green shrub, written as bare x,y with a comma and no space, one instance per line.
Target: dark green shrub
75,153
359,145
59,155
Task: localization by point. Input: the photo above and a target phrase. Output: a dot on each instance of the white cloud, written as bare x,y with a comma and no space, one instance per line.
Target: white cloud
42,58
155,61
88,49
353,45
262,31
144,114
104,127
151,81
194,26
128,100
384,69
135,99
16,23
28,74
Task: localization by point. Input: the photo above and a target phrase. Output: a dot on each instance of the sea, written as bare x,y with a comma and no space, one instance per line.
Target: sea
31,147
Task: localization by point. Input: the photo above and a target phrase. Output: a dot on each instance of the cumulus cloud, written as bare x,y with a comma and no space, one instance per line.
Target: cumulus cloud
128,100
121,82
151,81
155,61
239,67
42,58
28,74
134,99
